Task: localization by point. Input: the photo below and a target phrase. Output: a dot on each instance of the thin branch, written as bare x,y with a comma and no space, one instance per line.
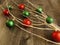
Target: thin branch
37,35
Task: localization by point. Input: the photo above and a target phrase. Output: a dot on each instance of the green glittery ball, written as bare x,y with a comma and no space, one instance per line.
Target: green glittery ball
49,20
39,9
9,7
26,13
10,23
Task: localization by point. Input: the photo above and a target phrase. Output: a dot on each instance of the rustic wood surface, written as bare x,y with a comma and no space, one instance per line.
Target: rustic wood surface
16,36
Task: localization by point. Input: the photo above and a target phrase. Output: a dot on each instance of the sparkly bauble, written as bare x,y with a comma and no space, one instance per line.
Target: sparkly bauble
39,9
26,21
10,23
21,6
6,12
9,7
56,36
26,13
49,20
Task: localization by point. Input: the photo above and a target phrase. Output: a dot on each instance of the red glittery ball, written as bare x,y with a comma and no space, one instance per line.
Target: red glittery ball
26,22
21,6
6,12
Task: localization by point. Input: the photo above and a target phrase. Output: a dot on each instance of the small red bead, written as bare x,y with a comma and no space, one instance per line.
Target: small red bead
6,12
26,22
21,6
56,36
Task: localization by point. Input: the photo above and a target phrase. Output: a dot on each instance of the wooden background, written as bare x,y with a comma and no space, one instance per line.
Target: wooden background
16,36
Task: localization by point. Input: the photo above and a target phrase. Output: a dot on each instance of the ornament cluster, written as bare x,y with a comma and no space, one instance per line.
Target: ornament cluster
10,23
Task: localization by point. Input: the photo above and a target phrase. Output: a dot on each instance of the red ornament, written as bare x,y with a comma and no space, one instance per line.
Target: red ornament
21,6
6,12
26,22
56,36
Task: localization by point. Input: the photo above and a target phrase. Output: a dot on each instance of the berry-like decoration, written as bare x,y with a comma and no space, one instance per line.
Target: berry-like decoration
26,13
39,9
56,36
10,23
49,20
26,21
6,12
21,6
9,7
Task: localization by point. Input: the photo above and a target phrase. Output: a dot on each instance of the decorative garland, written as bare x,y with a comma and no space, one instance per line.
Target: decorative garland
47,20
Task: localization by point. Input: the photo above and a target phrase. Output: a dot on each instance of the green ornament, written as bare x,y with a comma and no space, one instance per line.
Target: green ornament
49,20
39,9
10,23
9,7
26,13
